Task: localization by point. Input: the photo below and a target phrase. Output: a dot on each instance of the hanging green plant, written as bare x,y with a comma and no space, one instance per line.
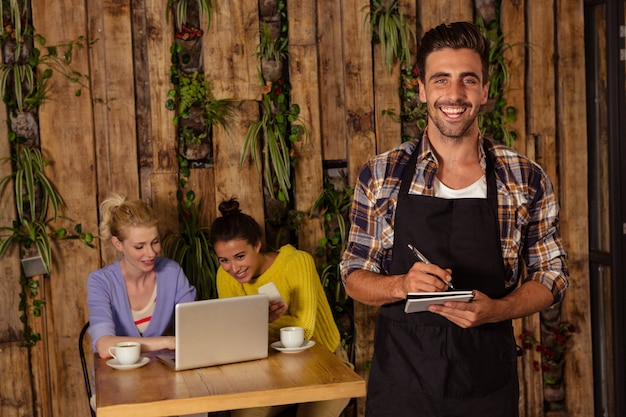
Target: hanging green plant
35,196
389,28
179,9
280,125
270,48
197,111
494,118
33,230
22,88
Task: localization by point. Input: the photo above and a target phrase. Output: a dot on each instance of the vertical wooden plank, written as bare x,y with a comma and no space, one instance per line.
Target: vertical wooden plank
512,22
541,85
303,74
231,180
114,110
202,182
359,81
228,50
308,153
360,142
67,140
388,131
114,120
142,96
16,399
164,186
160,37
10,325
331,80
572,147
530,381
434,12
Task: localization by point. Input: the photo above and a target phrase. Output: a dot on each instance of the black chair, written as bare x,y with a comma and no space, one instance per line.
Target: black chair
83,362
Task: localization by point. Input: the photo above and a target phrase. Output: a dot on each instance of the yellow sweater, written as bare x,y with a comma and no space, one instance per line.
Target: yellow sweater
294,274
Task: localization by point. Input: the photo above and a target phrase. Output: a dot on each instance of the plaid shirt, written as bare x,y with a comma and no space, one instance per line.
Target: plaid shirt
527,212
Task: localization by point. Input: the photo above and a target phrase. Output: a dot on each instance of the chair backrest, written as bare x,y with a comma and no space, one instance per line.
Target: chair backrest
83,362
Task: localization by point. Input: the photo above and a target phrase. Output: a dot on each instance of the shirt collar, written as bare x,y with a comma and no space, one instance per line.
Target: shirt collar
426,151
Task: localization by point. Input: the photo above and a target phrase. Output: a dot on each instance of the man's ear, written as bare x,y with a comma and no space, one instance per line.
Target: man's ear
485,93
421,90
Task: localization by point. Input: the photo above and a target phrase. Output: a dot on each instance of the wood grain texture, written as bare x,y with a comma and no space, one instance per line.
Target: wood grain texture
572,169
331,77
228,50
542,86
359,82
434,12
231,179
515,50
68,141
307,151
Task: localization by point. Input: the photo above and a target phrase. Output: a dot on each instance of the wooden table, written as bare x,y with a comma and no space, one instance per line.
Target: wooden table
156,390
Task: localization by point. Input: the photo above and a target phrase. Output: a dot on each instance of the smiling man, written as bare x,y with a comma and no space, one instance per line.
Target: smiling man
479,211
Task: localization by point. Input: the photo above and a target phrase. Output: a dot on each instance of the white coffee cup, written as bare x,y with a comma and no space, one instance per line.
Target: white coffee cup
126,353
292,337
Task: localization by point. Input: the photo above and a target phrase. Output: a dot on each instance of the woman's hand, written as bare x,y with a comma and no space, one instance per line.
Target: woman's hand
276,309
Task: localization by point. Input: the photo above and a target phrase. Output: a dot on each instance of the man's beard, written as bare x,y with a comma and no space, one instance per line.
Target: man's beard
452,130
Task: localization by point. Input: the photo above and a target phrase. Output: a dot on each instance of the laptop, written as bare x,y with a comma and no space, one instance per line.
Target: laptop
219,331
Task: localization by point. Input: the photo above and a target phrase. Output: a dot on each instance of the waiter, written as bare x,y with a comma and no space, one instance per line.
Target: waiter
476,210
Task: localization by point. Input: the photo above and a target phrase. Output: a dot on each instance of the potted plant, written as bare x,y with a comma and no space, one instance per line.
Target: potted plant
197,111
35,195
389,28
179,9
271,51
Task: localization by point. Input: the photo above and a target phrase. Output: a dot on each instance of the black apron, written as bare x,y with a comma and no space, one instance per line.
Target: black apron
423,364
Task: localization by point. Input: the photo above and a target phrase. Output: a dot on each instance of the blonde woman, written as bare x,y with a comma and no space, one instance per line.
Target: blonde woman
133,298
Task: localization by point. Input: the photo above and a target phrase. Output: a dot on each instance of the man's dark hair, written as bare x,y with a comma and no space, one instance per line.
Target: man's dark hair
457,35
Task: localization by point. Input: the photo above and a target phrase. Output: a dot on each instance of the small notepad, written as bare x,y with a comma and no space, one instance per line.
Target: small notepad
419,301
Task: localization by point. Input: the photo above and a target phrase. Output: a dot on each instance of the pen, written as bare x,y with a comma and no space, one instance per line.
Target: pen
422,258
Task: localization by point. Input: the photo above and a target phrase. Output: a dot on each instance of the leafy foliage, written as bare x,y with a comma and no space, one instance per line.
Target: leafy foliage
493,120
280,125
552,350
35,196
268,48
389,28
179,8
21,89
333,206
194,253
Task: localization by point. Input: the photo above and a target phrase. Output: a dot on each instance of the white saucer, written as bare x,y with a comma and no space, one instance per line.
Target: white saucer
113,363
279,346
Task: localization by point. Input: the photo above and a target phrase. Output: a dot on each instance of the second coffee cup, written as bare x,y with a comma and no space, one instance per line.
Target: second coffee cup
292,336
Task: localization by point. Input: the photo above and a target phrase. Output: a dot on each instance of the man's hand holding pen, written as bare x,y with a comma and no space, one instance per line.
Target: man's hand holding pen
446,277
423,277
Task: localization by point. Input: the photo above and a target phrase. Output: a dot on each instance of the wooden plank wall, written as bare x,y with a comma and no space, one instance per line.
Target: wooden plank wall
119,137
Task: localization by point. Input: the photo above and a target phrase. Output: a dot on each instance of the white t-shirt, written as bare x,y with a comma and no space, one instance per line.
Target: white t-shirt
475,190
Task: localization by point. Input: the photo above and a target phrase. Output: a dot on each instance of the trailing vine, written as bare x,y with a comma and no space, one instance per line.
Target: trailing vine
28,65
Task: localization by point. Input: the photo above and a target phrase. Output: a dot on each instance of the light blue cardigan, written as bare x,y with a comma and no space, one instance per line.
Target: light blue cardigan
109,309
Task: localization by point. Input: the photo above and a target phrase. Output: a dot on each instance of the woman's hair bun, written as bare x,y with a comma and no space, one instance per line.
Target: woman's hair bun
229,207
